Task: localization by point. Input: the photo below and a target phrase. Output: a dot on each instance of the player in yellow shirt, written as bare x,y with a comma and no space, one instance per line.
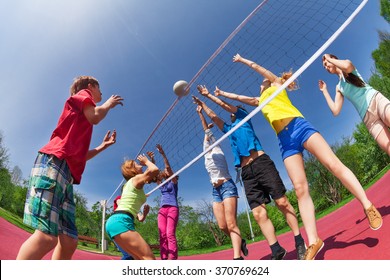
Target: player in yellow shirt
295,134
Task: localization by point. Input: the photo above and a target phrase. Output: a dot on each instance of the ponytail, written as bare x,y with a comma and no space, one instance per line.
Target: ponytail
350,77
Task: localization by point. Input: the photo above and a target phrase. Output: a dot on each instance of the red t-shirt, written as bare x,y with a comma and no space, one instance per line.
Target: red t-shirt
116,201
72,136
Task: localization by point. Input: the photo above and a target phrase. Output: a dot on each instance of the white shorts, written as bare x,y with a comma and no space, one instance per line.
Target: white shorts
375,117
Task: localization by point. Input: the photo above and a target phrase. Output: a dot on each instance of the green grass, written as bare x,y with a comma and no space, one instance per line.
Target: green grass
112,251
14,219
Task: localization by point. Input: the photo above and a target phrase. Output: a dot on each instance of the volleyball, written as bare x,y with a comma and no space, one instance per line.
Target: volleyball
180,88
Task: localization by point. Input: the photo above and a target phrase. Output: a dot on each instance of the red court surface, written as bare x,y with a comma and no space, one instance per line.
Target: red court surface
346,234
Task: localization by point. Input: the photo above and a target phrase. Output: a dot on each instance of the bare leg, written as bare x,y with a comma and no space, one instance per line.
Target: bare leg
219,214
317,145
296,172
265,224
383,140
37,246
65,248
289,213
133,243
231,221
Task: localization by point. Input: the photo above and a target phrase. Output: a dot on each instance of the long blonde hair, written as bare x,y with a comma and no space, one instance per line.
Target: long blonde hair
285,76
128,169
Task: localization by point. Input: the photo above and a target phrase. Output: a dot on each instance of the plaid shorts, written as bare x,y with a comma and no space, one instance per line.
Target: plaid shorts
50,205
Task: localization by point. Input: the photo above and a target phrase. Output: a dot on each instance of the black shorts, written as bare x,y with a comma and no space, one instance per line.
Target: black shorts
262,181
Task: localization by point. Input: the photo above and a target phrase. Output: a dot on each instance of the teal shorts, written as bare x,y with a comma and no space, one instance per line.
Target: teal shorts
119,223
50,205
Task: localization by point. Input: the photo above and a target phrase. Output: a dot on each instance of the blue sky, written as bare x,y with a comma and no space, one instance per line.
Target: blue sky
139,49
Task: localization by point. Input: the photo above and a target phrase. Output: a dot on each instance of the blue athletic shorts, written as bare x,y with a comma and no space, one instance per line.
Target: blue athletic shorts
227,189
293,136
119,223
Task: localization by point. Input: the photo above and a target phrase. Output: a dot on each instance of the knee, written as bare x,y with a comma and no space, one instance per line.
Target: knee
335,166
171,235
223,227
301,189
260,215
231,226
282,203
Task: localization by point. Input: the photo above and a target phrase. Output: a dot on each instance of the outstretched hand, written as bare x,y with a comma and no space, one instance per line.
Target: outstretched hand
109,139
160,149
142,159
151,156
322,85
114,100
217,91
202,90
237,58
197,100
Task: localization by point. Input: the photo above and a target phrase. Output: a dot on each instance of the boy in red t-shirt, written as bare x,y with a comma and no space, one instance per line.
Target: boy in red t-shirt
50,206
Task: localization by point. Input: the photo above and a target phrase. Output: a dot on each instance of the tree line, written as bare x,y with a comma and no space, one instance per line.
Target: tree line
197,227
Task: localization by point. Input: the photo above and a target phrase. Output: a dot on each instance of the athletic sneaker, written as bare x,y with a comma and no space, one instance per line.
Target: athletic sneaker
374,217
301,250
313,250
244,249
279,254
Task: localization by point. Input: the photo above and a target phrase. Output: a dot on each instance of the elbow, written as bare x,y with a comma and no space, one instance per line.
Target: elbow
94,120
154,171
349,66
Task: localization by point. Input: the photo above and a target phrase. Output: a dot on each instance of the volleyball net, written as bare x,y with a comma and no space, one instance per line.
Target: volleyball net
279,35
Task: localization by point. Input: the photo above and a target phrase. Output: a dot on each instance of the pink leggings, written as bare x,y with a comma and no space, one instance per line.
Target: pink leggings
168,216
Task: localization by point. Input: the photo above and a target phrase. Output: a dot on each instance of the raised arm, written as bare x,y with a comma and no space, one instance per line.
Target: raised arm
108,140
252,101
202,118
210,113
344,65
258,68
151,156
147,176
95,114
226,106
168,168
166,161
336,105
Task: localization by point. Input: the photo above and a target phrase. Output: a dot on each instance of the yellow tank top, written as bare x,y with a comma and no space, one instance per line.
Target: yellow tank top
132,198
278,108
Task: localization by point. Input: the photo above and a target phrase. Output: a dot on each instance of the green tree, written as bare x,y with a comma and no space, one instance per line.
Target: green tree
3,153
385,10
86,225
325,188
6,189
381,55
371,158
205,211
382,84
16,176
19,197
